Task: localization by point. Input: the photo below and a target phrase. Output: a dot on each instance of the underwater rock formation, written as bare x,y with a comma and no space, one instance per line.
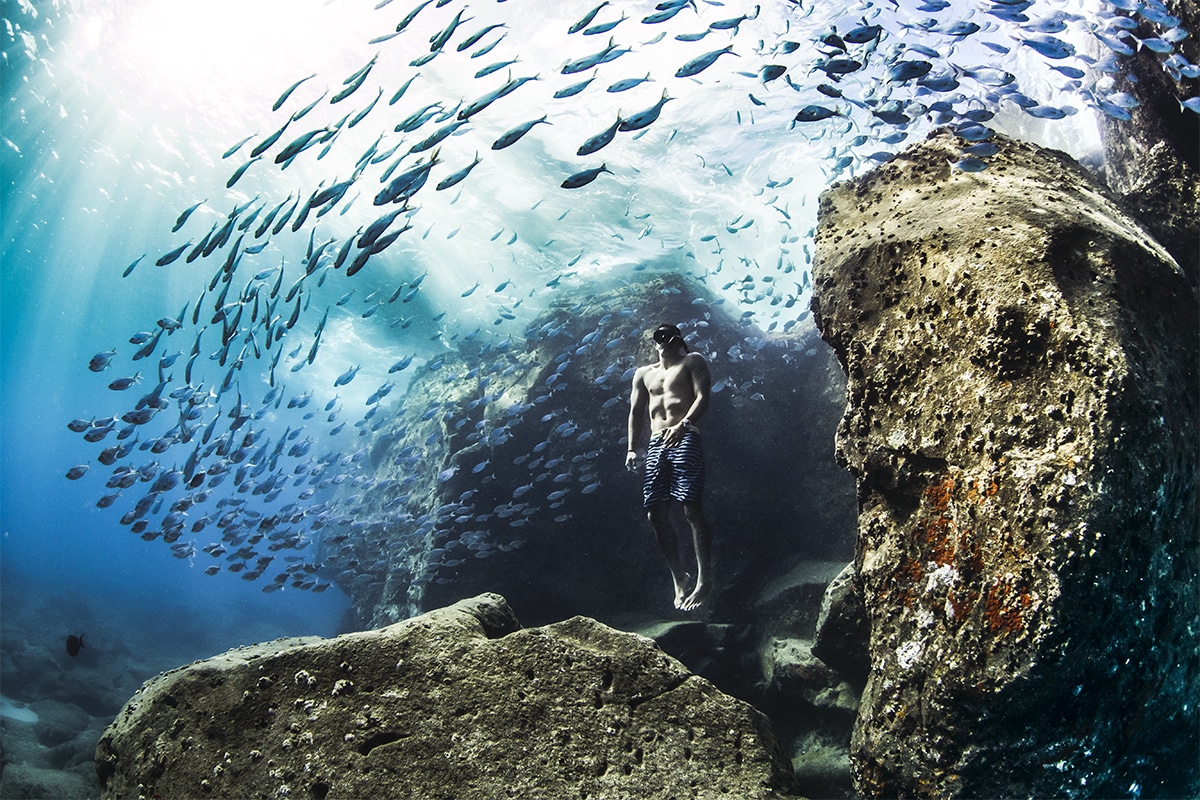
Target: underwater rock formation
460,702
1152,159
1022,424
503,469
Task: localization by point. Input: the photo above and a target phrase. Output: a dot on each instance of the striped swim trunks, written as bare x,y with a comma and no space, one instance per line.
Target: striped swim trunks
674,472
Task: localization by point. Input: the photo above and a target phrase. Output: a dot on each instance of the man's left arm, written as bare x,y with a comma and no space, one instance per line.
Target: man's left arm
701,386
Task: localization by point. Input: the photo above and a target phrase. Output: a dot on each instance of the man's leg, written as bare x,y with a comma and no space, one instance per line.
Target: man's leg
659,515
702,543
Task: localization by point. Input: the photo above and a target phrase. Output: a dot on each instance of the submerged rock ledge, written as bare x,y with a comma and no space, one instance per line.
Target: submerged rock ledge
1022,424
459,702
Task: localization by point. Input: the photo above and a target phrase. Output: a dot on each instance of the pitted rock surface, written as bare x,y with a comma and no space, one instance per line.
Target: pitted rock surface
1022,424
457,703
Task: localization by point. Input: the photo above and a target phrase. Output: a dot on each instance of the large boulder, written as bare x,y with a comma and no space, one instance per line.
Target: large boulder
459,702
1022,424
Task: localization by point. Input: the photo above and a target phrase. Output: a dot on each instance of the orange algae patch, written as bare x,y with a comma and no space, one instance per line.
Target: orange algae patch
1004,607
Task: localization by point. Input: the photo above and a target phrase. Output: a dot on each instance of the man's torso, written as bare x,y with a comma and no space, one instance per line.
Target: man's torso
671,392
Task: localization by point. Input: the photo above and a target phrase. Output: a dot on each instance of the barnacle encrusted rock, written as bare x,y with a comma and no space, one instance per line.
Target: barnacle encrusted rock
1022,424
459,702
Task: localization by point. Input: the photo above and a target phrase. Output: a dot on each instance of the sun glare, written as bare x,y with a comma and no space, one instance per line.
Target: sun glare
215,56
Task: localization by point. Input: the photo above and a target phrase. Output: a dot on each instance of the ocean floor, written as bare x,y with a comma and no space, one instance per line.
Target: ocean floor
54,707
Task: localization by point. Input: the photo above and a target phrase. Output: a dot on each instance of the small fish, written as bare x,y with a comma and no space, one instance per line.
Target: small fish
475,37
968,164
74,645
814,113
76,472
457,177
183,218
645,117
703,62
173,255
404,23
511,137
586,19
627,84
600,140
101,361
573,89
288,92
585,177
129,270
604,27
346,376
1050,46
121,384
907,70
770,72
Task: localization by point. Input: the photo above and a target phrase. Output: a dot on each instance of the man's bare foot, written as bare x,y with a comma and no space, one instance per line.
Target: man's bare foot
681,592
696,598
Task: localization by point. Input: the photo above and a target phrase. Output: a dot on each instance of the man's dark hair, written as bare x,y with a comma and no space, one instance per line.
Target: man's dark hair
666,334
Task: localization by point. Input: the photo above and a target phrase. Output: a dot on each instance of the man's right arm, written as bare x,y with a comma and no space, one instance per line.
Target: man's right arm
639,400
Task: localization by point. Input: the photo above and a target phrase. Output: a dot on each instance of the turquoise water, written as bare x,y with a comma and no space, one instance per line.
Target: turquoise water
120,116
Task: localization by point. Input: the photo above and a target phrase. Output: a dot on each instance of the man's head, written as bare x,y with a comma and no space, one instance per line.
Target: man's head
668,337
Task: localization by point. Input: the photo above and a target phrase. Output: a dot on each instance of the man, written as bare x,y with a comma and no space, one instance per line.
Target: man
672,394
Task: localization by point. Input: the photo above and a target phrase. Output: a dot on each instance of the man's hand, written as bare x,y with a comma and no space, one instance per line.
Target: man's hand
674,434
631,461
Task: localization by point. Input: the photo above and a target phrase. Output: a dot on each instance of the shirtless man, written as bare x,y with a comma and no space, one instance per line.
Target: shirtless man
672,394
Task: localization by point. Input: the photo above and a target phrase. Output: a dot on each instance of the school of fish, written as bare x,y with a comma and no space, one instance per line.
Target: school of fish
198,460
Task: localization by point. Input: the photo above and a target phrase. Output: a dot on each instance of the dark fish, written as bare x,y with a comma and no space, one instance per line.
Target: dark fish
598,141
437,136
404,23
863,34
129,270
511,137
74,645
236,147
604,27
183,218
814,113
733,22
238,173
173,255
438,40
288,92
297,115
839,66
701,63
354,81
121,384
100,361
1051,47
574,89
907,70
628,83
645,117
586,19
770,72
589,61
585,177
490,68
475,37
451,180
76,472
404,88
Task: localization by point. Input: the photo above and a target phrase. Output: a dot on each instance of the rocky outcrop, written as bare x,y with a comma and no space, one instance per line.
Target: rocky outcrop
1153,158
1022,424
459,702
